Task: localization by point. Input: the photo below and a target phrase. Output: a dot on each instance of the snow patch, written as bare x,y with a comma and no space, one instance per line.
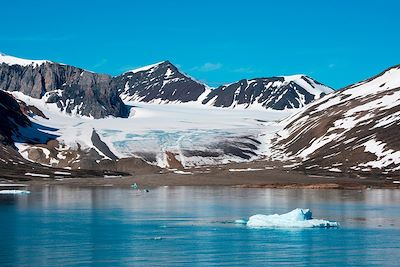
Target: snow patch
36,174
10,60
245,170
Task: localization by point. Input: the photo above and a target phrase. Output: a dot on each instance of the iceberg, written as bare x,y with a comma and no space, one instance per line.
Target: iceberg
14,192
297,218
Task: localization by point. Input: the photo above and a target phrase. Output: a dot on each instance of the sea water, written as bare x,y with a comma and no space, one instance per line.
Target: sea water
195,226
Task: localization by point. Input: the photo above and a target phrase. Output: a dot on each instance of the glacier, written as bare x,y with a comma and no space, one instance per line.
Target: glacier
196,134
297,218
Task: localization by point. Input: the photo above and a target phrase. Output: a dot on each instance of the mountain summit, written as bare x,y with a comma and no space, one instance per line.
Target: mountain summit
161,83
285,92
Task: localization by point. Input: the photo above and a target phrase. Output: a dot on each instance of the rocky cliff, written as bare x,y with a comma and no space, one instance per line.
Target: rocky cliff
74,90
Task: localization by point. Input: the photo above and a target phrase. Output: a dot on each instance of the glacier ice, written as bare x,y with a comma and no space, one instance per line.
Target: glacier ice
297,218
14,192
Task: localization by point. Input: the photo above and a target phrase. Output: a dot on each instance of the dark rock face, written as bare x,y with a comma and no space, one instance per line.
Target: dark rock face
86,93
101,146
11,118
275,93
160,82
15,126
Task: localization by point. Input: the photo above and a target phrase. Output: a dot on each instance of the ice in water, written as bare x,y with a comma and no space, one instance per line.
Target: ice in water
297,218
14,192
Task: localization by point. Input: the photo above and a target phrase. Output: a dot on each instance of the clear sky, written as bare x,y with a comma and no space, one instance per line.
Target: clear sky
336,42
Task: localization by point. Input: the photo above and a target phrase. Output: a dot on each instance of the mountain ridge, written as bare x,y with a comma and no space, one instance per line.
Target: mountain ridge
161,83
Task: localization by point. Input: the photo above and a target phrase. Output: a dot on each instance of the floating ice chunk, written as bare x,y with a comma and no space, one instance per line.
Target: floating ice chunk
297,218
14,192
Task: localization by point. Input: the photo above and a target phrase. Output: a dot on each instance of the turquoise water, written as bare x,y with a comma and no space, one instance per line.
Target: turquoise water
184,226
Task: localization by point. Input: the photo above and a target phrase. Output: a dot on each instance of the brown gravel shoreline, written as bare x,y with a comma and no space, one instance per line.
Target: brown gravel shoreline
243,175
234,175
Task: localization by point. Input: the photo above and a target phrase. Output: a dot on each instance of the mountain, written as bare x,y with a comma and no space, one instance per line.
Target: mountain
160,83
353,130
164,83
174,136
72,90
278,93
79,92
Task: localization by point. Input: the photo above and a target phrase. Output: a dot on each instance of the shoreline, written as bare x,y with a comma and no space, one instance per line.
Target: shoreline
257,174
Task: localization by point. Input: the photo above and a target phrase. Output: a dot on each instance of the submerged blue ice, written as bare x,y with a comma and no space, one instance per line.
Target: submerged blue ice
297,218
14,192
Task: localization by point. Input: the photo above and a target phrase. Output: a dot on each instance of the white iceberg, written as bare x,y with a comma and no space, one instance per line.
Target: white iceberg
297,218
14,192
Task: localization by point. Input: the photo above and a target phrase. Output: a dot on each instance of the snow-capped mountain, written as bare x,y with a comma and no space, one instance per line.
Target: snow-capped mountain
286,92
158,83
164,83
352,130
173,135
79,92
70,89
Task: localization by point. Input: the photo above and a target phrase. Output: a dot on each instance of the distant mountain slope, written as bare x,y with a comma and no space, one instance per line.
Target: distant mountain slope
353,130
159,83
278,93
72,89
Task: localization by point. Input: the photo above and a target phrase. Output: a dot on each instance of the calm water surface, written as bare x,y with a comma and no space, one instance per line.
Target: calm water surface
184,226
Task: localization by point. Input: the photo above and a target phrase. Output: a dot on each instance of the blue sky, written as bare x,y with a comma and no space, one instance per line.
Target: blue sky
335,42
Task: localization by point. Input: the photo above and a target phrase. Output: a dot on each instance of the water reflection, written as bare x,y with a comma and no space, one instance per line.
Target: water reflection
179,225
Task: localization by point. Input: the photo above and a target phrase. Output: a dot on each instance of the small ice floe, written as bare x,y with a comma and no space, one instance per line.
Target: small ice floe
241,221
396,182
297,218
136,187
14,192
